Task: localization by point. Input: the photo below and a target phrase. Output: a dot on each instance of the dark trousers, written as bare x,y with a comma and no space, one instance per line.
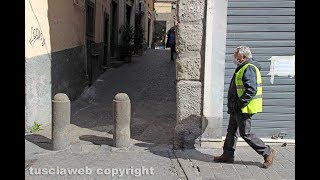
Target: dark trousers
172,51
243,122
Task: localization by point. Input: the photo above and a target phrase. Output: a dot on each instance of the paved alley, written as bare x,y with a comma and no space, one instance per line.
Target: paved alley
149,82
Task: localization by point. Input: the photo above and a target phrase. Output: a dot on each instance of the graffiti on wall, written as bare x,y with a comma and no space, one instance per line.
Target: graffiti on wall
36,35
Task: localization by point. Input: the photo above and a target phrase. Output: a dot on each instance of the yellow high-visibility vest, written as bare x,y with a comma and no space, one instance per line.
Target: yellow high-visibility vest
255,105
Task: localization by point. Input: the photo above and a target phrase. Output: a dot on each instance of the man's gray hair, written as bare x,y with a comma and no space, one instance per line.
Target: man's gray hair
245,50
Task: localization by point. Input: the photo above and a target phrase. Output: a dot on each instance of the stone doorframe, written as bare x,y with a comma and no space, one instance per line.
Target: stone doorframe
200,64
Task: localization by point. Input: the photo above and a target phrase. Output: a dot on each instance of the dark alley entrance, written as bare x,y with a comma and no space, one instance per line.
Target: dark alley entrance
149,80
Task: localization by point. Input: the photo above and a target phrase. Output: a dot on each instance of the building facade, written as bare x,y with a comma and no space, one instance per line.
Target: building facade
68,44
165,19
149,22
147,14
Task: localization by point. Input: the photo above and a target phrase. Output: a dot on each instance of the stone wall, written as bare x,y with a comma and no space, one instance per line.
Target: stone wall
189,71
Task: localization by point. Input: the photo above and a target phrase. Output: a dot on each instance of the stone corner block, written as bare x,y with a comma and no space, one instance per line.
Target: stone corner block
189,99
188,66
191,10
189,37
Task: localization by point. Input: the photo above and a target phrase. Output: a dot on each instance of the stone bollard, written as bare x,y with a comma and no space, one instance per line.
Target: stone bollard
60,119
121,120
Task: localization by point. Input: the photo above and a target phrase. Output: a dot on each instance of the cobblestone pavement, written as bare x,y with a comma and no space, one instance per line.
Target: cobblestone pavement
149,82
247,164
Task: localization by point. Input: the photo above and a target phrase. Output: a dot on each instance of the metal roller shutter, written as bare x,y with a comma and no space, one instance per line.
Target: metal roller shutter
268,28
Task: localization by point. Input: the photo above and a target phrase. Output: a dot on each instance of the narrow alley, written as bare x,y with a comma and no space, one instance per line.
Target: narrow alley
149,81
185,110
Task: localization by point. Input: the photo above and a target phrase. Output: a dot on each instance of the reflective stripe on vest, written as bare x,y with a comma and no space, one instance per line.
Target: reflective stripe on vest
255,105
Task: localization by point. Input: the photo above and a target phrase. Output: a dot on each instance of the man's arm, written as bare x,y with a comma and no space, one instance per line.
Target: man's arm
249,80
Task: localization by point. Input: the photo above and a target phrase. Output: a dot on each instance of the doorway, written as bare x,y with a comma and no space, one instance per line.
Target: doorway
114,30
106,41
149,29
90,11
128,14
159,36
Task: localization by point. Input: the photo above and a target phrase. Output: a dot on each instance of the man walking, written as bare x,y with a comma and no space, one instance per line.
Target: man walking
171,42
244,100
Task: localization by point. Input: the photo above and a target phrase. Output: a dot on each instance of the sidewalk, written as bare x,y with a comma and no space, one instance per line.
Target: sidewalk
166,163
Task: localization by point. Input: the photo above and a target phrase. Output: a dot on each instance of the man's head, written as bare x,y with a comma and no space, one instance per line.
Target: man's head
241,54
172,29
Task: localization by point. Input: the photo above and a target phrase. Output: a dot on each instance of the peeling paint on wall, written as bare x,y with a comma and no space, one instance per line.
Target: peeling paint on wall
282,66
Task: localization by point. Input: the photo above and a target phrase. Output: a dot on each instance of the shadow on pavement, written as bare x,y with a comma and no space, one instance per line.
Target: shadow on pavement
186,133
248,163
97,140
40,141
191,154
